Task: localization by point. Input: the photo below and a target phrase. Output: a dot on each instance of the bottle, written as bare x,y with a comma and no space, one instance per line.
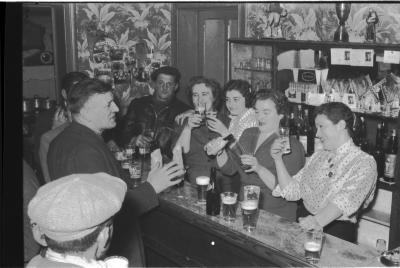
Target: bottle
293,126
390,157
213,200
306,135
379,153
363,141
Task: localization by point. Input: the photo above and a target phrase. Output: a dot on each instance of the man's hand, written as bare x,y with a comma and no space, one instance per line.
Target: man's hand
160,178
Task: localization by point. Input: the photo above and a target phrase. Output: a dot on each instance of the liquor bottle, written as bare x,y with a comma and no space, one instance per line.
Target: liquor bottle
390,157
293,131
363,141
306,135
213,199
379,153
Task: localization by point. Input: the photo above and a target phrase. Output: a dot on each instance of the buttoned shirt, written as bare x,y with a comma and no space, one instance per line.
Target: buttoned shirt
345,177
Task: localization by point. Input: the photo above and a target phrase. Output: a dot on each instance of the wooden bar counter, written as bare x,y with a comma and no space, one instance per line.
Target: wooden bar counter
179,233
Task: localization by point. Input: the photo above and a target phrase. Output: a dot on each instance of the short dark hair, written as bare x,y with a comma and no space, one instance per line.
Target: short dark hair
280,100
211,83
243,87
76,245
71,79
336,111
168,70
81,92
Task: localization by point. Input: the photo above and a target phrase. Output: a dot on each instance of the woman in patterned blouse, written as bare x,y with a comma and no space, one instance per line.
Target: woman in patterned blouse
336,182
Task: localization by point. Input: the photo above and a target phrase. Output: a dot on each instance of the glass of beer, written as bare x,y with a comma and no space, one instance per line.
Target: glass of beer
202,185
249,214
284,136
251,192
229,206
313,245
135,172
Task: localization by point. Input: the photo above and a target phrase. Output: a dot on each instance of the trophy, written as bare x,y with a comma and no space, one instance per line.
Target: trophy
342,11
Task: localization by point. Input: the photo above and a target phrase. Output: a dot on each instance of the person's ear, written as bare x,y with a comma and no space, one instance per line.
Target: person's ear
341,124
38,235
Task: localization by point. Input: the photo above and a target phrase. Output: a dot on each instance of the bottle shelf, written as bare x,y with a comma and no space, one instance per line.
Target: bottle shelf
252,69
374,115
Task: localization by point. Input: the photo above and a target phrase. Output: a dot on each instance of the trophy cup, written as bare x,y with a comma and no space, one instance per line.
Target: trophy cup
342,11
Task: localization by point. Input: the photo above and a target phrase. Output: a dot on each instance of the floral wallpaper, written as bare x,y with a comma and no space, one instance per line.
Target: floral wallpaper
124,41
318,21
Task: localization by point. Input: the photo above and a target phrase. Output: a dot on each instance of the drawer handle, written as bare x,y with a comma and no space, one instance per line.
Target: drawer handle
212,243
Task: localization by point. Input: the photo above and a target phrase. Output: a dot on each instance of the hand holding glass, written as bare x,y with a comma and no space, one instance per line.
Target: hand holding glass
284,136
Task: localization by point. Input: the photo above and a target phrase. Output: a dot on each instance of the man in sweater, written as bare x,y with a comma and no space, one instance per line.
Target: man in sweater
81,149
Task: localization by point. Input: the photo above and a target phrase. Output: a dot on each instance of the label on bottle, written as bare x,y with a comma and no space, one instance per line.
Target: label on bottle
390,162
303,140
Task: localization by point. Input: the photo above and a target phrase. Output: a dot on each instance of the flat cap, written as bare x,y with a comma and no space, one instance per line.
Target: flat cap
73,206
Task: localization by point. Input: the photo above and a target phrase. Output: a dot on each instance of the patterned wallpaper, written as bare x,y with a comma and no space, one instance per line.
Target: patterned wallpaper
138,31
318,21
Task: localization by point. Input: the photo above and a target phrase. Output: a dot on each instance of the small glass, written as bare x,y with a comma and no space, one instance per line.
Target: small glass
135,172
202,185
313,245
229,206
284,136
380,245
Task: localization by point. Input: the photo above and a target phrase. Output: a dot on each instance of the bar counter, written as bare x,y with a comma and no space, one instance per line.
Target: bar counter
179,233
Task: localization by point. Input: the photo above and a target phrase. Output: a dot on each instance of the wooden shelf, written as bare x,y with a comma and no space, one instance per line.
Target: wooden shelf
253,70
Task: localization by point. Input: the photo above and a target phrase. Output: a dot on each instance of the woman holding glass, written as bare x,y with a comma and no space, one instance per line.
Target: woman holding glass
204,95
251,158
336,181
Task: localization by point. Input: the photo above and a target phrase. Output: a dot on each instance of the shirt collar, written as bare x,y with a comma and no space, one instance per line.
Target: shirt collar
344,148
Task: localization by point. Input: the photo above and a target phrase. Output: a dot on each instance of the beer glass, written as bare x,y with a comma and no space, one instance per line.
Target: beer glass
202,185
284,136
135,172
380,245
229,206
251,192
313,245
201,110
249,214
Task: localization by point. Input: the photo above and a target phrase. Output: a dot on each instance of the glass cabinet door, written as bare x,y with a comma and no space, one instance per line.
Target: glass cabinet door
252,63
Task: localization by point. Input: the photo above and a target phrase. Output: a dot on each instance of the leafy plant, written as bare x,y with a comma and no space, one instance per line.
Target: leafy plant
139,19
99,15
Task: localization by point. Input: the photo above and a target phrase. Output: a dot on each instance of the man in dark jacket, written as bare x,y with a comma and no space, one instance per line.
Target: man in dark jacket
152,114
81,149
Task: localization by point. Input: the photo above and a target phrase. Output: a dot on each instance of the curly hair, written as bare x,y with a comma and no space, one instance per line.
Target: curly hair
280,100
336,111
210,83
243,87
168,70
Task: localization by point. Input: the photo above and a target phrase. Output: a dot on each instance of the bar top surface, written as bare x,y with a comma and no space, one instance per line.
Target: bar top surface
277,233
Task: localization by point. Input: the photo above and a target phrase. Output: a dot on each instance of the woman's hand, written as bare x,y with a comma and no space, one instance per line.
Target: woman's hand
60,117
277,148
214,124
194,120
214,146
309,223
251,161
181,117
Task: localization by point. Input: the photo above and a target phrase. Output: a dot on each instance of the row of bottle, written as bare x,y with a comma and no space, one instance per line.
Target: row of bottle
385,156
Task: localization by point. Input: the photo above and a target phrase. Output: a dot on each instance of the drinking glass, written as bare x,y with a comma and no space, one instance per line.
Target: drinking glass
252,193
135,172
249,214
202,185
313,245
284,136
229,206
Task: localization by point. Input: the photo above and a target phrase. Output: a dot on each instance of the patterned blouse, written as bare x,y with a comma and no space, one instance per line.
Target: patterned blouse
241,122
345,177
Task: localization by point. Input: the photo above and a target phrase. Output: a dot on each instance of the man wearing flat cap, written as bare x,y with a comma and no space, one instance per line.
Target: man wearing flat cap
73,218
80,148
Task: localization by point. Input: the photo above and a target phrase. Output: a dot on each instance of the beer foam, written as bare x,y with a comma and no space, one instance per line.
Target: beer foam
312,246
202,180
229,200
250,204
